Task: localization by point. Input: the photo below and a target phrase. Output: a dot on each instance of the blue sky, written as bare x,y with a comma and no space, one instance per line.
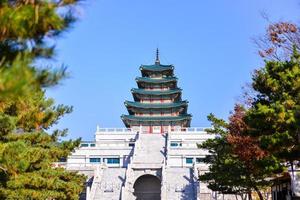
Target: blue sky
208,41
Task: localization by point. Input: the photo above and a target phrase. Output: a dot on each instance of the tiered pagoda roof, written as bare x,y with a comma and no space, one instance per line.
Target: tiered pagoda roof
155,105
156,68
151,80
157,100
156,92
156,119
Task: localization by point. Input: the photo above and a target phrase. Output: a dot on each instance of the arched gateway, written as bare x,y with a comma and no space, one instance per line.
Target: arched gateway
147,187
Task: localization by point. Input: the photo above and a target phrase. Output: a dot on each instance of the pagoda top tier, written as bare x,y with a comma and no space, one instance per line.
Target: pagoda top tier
157,69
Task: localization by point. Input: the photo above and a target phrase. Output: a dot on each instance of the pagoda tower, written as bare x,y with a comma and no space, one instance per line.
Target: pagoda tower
157,105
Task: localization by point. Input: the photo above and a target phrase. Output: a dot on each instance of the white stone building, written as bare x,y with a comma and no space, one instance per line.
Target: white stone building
129,164
155,156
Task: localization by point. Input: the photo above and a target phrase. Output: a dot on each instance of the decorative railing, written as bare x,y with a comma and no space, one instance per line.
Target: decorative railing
87,144
190,129
196,186
167,147
125,187
129,173
96,182
140,129
77,165
123,193
136,148
115,130
164,181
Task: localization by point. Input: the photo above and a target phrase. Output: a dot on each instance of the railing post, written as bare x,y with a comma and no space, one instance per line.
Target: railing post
88,191
196,184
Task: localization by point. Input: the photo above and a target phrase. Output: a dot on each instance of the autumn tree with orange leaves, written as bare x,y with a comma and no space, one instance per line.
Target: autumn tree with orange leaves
237,164
279,41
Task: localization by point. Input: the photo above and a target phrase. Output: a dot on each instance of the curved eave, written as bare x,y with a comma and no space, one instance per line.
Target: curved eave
156,119
152,80
156,68
155,92
132,104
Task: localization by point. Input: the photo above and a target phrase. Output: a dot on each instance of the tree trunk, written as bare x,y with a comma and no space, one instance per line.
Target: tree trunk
292,169
244,196
250,195
259,193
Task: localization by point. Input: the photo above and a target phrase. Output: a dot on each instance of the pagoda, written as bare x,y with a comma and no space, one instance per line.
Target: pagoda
157,105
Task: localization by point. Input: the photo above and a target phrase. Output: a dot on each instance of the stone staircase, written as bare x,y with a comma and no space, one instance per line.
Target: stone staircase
127,189
149,151
181,184
107,186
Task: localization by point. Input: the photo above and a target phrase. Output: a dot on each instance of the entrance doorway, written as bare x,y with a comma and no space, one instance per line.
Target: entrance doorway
147,187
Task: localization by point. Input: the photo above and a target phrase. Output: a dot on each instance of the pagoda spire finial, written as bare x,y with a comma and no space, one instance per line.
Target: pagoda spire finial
157,61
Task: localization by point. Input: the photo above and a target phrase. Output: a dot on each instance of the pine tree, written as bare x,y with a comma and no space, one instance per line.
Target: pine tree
274,116
27,150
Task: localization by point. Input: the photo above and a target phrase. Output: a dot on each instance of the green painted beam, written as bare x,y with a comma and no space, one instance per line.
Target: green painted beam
156,68
155,92
153,80
155,105
166,118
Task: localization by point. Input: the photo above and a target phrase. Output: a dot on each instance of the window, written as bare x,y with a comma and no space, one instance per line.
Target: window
95,160
199,160
112,160
92,145
84,145
176,144
189,160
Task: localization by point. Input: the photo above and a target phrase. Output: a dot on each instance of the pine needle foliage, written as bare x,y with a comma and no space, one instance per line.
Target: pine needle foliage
27,149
